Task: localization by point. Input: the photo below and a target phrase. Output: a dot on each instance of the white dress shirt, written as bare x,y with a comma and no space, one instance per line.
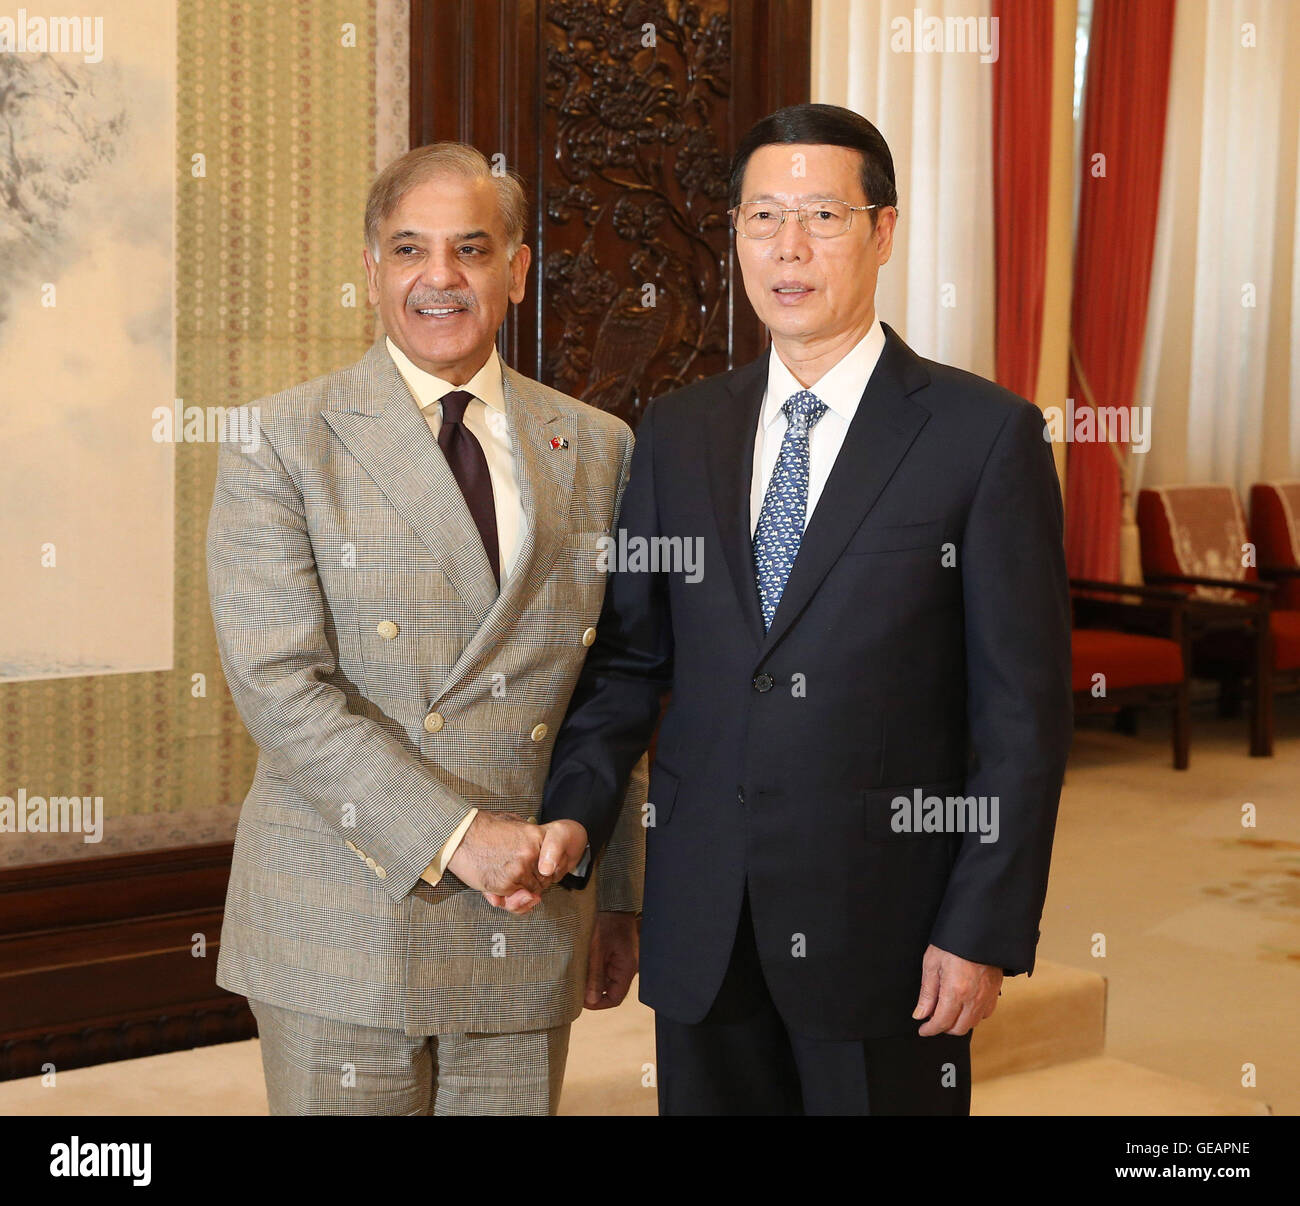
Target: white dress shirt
486,418
841,389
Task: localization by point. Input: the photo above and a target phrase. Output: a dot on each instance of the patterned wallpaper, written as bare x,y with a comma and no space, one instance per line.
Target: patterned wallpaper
290,104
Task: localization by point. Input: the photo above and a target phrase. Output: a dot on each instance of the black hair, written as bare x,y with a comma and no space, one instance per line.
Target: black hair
822,125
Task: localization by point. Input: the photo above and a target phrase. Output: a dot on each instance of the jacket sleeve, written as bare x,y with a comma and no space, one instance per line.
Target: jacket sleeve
270,616
615,707
1019,702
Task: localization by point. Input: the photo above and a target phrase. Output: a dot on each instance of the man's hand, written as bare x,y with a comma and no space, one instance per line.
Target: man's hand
499,853
562,849
612,963
965,993
562,846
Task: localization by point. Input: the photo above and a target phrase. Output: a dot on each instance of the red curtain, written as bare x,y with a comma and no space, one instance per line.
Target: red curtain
1124,121
1022,148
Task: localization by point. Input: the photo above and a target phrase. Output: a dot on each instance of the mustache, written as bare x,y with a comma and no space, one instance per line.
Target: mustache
447,297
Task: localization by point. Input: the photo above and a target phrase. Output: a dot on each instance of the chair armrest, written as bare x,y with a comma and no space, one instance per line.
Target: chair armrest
1265,589
1154,594
1146,610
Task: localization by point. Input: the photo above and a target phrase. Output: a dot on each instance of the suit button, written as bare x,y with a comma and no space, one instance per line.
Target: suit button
351,847
387,629
740,796
539,732
433,723
589,637
370,862
379,871
763,682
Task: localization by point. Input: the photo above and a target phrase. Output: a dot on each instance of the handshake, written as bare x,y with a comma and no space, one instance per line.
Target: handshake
512,861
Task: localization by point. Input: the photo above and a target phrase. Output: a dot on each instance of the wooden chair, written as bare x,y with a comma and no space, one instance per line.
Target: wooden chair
1275,528
1195,539
1134,638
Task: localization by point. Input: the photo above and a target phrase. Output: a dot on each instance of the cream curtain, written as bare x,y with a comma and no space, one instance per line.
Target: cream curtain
1220,367
935,111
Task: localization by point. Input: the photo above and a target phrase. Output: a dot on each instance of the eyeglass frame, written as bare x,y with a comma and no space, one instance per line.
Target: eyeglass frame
799,209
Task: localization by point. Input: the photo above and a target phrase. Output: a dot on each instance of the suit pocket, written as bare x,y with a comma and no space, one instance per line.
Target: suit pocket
902,814
662,797
575,585
274,801
897,538
288,817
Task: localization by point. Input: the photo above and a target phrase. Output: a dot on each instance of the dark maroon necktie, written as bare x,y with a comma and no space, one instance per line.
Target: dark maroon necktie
465,456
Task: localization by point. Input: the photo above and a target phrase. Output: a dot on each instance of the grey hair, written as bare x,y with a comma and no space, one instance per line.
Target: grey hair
441,158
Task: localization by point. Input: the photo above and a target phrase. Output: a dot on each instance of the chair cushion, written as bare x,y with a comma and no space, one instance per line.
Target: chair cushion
1127,659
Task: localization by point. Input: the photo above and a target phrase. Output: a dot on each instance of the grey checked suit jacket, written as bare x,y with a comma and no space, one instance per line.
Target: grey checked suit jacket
372,748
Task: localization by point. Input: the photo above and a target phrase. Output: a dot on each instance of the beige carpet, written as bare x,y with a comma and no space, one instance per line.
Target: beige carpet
1201,916
1200,919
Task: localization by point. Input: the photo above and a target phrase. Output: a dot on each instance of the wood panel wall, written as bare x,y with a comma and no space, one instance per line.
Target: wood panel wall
622,118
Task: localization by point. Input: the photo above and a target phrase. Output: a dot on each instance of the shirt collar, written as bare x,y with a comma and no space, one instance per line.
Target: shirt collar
429,389
841,388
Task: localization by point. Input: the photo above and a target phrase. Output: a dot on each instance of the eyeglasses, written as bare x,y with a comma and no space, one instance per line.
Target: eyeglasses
822,219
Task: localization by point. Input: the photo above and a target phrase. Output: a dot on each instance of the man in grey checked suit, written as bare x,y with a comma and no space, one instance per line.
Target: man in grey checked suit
405,580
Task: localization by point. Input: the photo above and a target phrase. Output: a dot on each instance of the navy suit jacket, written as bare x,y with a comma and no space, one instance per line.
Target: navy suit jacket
922,643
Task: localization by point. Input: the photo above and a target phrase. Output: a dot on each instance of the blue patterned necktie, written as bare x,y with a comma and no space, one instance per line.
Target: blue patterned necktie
781,521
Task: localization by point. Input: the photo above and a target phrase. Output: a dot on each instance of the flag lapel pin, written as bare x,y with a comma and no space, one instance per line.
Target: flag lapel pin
558,442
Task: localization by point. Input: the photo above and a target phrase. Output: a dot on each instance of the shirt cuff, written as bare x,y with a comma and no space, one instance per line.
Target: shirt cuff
435,870
584,864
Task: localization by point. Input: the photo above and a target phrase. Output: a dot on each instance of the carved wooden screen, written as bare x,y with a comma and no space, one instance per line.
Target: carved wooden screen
622,116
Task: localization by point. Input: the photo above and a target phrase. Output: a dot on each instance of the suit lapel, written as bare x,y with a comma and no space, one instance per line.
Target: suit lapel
732,427
883,428
385,431
545,477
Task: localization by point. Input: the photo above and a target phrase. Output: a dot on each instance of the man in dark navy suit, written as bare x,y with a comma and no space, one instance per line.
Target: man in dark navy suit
858,771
